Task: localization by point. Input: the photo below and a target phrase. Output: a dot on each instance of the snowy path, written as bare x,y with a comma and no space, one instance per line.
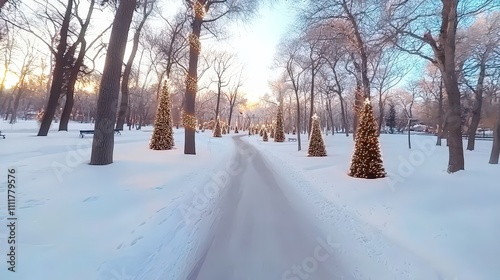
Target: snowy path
261,235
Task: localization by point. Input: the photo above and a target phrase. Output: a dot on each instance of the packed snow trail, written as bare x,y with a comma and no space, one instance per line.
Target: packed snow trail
260,235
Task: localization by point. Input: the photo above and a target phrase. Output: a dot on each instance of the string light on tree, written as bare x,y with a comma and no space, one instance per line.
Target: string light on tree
191,83
199,10
194,42
217,129
189,121
163,135
265,138
316,144
367,159
279,135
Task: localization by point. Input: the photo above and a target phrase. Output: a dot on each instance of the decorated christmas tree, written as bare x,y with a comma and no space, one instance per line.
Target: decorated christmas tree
224,131
367,160
271,133
264,135
279,135
316,144
217,129
261,133
163,135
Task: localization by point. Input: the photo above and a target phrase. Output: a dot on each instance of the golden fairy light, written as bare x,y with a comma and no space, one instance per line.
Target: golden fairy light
199,10
367,158
189,121
194,42
191,83
316,144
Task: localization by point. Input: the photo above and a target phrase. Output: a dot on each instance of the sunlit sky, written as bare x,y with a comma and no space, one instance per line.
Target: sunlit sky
256,43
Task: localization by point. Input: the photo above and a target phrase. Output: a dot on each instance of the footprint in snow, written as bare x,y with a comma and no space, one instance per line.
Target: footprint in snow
135,240
92,198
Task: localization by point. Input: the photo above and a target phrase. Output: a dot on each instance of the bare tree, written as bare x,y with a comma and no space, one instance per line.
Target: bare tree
233,94
314,41
23,72
147,8
75,63
407,99
7,47
206,14
103,142
389,71
477,50
222,63
58,72
495,149
294,71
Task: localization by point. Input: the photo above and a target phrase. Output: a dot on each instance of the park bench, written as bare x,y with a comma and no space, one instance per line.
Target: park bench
83,132
2,135
292,139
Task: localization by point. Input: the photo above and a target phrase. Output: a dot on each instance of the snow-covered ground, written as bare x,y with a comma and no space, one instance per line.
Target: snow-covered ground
142,217
418,219
148,215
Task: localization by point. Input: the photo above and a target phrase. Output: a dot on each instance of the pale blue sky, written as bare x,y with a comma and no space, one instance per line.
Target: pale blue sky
256,43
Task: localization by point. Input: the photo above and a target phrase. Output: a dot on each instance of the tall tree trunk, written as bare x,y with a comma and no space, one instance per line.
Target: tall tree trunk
344,117
68,107
358,103
8,110
495,149
305,114
311,113
444,53
75,69
381,113
217,106
103,142
13,116
298,120
190,95
70,88
231,108
330,114
122,112
478,104
440,115
57,75
4,107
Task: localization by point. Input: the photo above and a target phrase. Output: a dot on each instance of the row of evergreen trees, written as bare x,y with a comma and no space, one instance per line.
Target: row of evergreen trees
366,160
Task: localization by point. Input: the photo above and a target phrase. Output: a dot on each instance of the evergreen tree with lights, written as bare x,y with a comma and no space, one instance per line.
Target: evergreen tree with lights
271,133
316,144
261,133
224,132
265,138
367,159
217,129
163,134
279,135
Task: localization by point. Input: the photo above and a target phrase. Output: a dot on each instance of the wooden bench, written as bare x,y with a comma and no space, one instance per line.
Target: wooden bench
292,139
2,135
83,132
